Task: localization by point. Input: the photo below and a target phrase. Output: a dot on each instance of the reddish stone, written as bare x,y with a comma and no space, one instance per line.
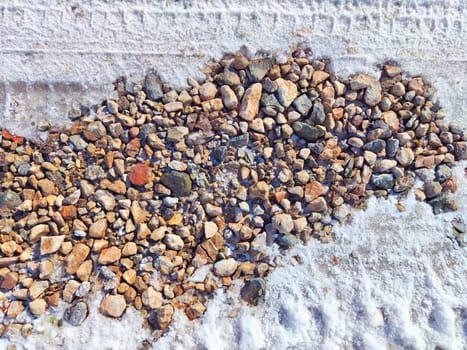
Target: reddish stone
69,212
139,174
9,136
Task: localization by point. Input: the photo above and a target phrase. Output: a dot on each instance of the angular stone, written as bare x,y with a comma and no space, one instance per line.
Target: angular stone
283,223
98,229
47,187
195,311
161,317
129,249
173,106
313,190
177,133
37,307
77,256
307,132
210,229
153,86
257,69
372,94
38,231
138,214
318,115
51,244
317,205
302,104
249,107
260,190
179,183
113,305
383,181
106,199
286,91
151,298
432,189
109,256
76,313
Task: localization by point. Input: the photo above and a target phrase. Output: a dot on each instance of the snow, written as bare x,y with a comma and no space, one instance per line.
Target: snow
400,278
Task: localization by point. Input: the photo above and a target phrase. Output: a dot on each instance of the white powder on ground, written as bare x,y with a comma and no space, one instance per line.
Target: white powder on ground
400,280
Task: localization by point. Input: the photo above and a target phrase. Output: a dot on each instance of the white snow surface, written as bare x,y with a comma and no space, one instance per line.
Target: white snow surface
392,280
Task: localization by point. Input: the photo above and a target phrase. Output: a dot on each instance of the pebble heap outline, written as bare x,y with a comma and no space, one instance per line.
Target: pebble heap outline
139,195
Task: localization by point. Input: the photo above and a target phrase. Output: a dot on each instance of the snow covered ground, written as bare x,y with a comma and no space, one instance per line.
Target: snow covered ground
392,280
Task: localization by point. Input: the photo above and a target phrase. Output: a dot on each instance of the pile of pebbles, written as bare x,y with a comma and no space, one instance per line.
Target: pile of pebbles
160,197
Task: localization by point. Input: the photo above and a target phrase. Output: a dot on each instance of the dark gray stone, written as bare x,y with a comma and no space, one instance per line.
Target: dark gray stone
153,86
443,173
76,313
317,115
307,132
442,204
302,104
383,181
375,146
270,100
287,241
257,69
179,182
253,291
392,146
432,189
239,141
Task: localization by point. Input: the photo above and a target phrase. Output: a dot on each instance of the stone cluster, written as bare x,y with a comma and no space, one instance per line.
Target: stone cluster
161,196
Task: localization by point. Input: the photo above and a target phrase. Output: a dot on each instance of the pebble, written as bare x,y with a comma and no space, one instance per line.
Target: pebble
176,133
432,189
283,223
307,132
173,241
113,305
372,88
106,199
51,244
226,267
98,229
139,174
179,182
210,229
162,316
286,91
153,87
229,99
77,256
249,107
76,313
109,255
302,104
207,91
254,290
383,181
257,69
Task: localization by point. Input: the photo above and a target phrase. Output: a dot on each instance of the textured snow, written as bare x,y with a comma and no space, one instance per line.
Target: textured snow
400,278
